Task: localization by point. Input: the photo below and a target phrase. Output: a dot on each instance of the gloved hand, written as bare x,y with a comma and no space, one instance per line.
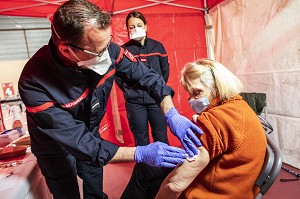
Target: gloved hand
160,155
183,129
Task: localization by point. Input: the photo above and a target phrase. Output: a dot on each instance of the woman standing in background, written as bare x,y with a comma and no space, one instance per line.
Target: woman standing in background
140,107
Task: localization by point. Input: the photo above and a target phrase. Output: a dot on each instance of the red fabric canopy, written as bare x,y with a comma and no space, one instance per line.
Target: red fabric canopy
41,8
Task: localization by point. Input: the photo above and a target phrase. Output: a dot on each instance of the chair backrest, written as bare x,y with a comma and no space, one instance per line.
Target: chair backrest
271,167
273,157
257,101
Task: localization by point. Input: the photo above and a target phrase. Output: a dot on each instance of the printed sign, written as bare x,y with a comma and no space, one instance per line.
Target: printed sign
8,89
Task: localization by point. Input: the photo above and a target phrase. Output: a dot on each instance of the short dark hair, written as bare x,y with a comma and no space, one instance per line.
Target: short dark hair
70,19
135,14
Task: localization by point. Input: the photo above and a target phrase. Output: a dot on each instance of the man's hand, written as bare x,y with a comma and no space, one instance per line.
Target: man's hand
184,130
160,155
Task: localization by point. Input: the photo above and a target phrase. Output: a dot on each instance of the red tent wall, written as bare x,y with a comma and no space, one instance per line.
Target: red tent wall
178,24
184,39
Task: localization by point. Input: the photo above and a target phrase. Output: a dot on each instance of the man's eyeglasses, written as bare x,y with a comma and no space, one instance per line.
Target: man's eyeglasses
90,52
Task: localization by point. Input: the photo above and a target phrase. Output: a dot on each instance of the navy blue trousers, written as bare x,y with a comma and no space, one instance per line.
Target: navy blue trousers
145,181
61,178
139,116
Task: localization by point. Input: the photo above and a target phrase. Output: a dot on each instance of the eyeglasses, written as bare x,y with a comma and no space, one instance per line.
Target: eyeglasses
90,52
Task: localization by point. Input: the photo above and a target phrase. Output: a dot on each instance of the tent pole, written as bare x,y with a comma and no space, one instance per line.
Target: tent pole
176,5
138,7
58,2
208,33
26,42
155,2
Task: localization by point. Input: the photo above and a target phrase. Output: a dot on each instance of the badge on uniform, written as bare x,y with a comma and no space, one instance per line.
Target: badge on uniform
130,56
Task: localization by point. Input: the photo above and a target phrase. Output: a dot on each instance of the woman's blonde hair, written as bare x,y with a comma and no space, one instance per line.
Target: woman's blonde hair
213,75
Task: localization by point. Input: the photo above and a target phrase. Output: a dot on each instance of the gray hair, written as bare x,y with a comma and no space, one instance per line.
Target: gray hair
72,17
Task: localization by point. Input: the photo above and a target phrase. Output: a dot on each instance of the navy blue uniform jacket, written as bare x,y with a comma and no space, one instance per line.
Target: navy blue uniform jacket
152,54
65,106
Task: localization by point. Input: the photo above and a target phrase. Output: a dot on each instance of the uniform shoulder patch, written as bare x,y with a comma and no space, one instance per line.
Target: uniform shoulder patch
130,56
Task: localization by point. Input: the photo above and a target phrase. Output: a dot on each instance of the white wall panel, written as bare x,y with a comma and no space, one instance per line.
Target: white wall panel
259,41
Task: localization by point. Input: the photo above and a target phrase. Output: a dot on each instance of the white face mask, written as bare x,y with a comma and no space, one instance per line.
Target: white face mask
98,64
137,34
198,105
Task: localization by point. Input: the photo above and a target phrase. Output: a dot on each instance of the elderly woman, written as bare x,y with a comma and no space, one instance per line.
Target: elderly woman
233,139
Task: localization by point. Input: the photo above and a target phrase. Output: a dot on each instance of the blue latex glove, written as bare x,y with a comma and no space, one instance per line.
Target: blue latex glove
159,154
184,130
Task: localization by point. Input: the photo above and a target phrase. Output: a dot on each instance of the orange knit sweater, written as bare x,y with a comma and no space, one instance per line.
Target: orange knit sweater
235,140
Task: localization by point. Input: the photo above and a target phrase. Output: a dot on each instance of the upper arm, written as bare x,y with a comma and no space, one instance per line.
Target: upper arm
183,175
137,74
164,64
46,118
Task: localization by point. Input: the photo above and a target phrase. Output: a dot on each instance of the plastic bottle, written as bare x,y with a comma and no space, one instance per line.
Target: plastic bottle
18,122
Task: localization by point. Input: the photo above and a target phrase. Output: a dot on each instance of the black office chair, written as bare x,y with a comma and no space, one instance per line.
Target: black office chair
271,168
273,157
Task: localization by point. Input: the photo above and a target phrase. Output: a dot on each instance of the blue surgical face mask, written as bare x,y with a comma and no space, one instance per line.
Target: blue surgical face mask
198,105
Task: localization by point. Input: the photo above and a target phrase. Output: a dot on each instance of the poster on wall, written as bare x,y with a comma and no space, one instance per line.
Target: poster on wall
8,90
